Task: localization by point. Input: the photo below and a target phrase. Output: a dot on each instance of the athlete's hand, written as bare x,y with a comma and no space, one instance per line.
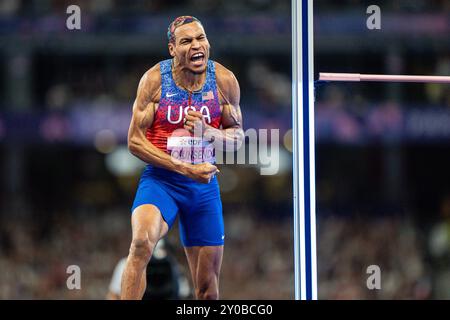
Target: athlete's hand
202,172
194,121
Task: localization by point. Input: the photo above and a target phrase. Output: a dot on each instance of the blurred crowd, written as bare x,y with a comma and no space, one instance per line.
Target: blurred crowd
112,7
439,250
347,247
99,7
266,88
403,5
35,254
258,258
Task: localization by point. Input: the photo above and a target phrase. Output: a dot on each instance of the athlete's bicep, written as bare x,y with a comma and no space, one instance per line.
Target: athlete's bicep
231,110
144,108
231,116
142,117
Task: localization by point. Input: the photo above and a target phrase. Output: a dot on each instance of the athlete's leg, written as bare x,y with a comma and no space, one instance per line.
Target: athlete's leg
148,226
205,263
143,284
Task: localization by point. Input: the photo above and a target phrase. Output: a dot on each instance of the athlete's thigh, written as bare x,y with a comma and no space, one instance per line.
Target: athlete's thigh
202,231
205,263
154,210
203,225
192,256
147,222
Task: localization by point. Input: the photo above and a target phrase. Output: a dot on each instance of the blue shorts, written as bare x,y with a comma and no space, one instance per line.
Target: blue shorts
199,205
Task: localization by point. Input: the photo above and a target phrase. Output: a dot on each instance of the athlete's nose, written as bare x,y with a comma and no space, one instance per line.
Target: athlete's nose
195,44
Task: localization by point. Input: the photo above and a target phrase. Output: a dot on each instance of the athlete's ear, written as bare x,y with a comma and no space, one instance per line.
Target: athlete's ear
171,49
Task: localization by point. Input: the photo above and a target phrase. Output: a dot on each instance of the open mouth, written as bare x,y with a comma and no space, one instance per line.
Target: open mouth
198,59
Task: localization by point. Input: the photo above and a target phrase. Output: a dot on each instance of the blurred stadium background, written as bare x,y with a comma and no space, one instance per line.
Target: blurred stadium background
382,161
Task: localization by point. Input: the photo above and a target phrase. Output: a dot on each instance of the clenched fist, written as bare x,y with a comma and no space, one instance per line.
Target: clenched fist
202,172
194,121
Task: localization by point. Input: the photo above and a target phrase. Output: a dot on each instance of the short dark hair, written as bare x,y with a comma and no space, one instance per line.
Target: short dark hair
182,20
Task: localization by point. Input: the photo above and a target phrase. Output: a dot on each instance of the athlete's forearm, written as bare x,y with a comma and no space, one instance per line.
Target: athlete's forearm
147,152
230,139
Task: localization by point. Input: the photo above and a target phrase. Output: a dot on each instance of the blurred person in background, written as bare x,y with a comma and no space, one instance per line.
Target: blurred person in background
164,277
175,97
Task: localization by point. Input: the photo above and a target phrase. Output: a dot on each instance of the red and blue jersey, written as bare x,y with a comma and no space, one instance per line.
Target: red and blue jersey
198,204
167,131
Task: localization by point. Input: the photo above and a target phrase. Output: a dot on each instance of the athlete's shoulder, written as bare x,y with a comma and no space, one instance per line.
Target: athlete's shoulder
227,82
150,82
152,77
224,74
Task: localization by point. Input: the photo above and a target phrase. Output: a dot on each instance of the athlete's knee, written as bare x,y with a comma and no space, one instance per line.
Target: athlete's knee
141,249
208,294
207,291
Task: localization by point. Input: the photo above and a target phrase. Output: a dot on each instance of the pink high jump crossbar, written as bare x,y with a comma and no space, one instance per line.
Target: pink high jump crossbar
382,78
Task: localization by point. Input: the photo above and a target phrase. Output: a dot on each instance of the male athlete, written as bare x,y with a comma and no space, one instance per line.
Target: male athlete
176,98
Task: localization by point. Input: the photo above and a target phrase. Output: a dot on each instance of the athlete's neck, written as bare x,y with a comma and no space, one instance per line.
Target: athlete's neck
187,79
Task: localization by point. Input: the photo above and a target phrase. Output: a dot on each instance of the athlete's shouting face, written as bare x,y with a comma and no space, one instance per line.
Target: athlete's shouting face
190,47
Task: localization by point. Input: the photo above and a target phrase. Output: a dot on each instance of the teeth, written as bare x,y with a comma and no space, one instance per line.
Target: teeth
197,55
